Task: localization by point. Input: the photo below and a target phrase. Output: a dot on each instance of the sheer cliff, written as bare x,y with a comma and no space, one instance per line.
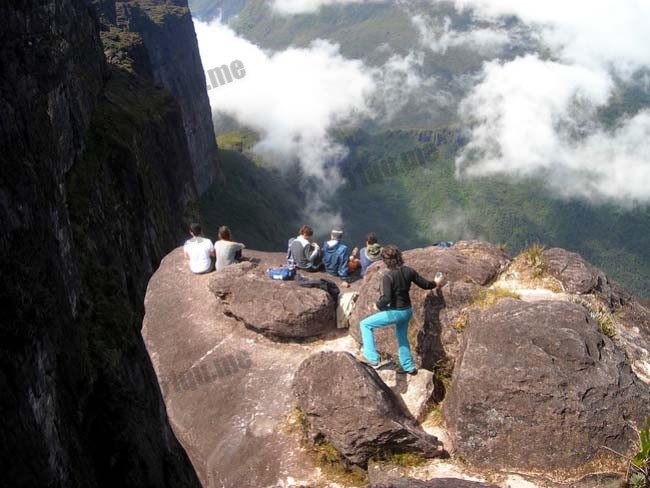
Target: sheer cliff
106,141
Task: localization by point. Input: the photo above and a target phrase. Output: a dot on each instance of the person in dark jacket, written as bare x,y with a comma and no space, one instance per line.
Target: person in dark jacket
394,307
370,253
336,256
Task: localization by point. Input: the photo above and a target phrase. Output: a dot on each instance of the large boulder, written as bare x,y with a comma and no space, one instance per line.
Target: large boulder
347,403
467,267
538,386
279,309
570,269
629,318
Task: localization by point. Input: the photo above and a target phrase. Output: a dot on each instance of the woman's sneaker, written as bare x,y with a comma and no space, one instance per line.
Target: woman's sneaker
412,372
378,365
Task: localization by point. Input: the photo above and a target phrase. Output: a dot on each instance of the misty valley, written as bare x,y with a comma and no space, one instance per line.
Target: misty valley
325,244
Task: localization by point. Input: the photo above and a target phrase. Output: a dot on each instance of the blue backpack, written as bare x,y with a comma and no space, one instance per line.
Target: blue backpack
282,273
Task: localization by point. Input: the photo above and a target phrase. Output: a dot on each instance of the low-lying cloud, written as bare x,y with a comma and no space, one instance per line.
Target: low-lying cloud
440,37
540,115
295,97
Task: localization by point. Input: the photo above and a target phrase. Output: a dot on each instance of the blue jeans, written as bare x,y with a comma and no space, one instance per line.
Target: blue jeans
382,319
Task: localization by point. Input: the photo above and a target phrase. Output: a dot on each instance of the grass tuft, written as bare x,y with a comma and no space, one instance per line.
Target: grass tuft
336,467
488,297
600,313
460,323
433,415
402,459
533,258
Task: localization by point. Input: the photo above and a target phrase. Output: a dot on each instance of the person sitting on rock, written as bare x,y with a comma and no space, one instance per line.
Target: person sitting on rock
394,307
336,256
304,253
199,251
355,263
370,253
227,251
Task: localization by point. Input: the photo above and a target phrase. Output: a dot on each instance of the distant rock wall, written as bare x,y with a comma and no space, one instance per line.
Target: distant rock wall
95,189
169,40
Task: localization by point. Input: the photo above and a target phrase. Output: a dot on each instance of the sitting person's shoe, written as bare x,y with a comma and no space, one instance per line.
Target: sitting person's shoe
412,372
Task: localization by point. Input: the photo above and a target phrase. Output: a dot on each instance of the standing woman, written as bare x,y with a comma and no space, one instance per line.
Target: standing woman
394,307
227,251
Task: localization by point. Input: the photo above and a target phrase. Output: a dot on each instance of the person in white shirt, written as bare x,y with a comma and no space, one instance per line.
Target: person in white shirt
227,251
199,251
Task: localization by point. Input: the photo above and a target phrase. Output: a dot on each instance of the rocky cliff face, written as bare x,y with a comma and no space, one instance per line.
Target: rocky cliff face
96,187
166,33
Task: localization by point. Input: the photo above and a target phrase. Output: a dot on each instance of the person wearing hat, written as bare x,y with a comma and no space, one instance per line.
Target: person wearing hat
336,256
370,253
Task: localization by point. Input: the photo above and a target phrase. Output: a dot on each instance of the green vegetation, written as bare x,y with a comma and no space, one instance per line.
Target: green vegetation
489,297
358,28
327,457
532,256
460,323
260,204
406,191
237,140
598,312
402,460
606,321
336,468
414,205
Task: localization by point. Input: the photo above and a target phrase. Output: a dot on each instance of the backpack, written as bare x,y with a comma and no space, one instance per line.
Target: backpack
325,285
282,273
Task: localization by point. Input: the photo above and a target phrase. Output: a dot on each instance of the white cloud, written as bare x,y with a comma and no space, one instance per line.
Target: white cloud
453,224
397,81
294,98
588,32
532,116
439,38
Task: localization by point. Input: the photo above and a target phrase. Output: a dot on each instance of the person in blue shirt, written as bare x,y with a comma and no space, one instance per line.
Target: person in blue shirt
336,256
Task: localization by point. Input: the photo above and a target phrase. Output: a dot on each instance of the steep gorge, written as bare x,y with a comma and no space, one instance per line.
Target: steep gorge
106,143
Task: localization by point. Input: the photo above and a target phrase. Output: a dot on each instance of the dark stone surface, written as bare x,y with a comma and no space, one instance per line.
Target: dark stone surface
93,192
467,266
575,274
434,483
347,403
170,42
280,309
538,386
